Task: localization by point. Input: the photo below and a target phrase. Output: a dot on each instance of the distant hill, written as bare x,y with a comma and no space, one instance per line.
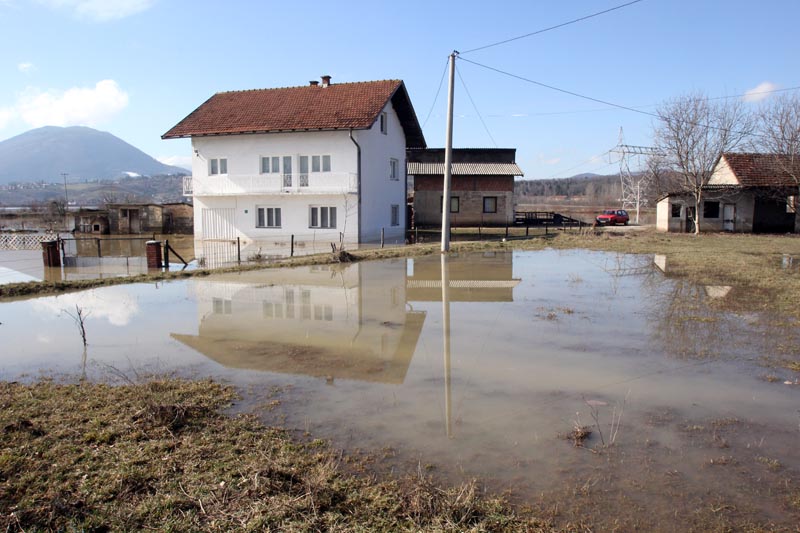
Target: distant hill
84,153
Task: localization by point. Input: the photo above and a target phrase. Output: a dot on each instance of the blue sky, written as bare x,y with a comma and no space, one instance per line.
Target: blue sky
136,67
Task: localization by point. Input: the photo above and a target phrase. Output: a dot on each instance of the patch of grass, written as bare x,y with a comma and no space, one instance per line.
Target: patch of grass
772,464
161,456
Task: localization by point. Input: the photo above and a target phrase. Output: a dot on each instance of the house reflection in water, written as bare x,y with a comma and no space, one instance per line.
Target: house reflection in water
486,277
337,322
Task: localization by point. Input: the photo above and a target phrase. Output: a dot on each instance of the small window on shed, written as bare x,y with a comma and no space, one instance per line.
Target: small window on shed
710,209
676,210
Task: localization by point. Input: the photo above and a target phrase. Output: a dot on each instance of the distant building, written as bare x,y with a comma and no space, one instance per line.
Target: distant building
135,218
91,220
747,193
178,217
481,190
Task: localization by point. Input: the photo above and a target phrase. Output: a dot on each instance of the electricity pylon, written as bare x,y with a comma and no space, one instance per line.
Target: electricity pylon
634,185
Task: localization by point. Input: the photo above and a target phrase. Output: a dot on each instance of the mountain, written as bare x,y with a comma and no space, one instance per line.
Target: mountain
44,153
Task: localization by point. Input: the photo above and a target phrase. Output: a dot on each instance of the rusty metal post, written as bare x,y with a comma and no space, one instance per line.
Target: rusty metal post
382,230
166,254
291,249
99,254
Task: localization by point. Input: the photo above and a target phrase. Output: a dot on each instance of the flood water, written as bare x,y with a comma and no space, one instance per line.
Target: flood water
478,366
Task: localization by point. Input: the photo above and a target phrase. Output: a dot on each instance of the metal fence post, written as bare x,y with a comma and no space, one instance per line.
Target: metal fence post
291,249
382,235
238,250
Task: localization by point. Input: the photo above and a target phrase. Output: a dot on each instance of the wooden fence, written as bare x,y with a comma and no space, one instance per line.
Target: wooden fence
24,241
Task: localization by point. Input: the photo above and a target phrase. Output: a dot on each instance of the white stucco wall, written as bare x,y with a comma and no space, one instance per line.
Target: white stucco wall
244,188
378,191
723,174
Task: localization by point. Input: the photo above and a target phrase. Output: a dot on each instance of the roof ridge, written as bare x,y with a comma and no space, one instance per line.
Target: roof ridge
307,86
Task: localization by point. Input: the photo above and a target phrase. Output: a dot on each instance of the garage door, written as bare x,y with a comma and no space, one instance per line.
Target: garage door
218,224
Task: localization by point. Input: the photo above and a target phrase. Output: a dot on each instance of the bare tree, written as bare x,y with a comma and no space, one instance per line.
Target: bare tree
693,132
779,129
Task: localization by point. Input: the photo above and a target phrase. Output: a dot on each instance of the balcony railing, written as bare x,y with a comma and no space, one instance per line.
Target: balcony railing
230,185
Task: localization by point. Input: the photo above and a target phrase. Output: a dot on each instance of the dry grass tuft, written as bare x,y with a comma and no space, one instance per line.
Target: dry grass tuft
161,456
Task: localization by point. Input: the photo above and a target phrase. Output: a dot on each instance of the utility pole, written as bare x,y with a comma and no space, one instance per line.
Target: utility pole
448,157
66,202
66,199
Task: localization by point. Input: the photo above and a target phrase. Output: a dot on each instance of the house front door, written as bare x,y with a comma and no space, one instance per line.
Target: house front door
728,217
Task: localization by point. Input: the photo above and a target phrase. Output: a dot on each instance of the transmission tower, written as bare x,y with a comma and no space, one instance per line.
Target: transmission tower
634,185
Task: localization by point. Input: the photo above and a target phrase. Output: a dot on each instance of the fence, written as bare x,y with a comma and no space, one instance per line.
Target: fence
24,241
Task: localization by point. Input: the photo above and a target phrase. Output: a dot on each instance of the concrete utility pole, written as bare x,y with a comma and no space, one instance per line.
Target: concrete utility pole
448,157
66,199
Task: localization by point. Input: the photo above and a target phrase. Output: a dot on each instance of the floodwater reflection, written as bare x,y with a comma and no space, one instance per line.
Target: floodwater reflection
478,364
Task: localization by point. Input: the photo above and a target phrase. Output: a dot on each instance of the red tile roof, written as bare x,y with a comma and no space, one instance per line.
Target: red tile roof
335,107
764,170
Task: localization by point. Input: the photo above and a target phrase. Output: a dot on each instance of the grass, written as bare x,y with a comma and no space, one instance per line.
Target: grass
162,456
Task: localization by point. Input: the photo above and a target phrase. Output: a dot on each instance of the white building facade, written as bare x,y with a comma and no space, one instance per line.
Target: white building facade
316,164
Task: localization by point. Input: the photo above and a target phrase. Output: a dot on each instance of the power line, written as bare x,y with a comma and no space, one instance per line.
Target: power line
435,98
605,102
553,88
537,32
475,107
598,109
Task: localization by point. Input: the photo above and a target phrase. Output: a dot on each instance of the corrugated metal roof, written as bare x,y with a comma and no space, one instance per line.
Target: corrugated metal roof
461,169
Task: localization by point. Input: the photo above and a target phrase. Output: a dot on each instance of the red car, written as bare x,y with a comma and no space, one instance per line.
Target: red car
613,217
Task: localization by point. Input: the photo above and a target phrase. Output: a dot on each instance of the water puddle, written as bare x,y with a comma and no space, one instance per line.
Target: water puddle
478,365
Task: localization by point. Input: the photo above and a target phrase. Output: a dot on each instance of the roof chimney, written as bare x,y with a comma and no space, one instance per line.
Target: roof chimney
313,83
326,80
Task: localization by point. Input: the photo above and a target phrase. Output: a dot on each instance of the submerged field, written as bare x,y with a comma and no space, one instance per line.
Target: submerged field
610,381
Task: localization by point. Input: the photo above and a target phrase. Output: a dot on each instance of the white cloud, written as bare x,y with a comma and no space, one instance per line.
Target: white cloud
553,161
6,115
26,67
759,92
101,10
78,106
116,305
183,161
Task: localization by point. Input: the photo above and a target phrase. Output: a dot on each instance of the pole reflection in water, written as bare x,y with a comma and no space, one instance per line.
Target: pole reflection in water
446,344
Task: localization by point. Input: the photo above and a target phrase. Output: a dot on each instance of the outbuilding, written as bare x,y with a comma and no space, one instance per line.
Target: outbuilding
481,188
747,193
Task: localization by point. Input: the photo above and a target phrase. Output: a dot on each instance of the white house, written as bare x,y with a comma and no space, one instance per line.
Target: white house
747,193
321,162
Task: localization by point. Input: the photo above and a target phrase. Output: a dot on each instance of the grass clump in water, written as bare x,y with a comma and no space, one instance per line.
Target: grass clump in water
161,456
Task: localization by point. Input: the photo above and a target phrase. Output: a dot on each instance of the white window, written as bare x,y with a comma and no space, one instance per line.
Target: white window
268,217
384,123
218,166
394,170
322,217
270,165
395,215
303,161
320,163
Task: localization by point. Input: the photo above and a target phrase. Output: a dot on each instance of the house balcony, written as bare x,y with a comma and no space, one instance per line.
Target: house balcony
239,185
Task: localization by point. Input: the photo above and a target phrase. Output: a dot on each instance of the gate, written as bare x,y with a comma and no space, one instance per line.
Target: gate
218,224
